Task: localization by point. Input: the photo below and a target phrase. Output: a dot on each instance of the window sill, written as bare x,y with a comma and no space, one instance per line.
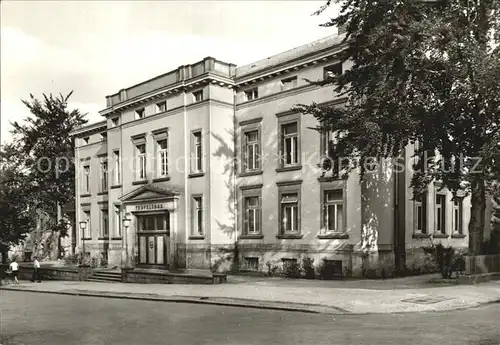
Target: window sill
194,237
290,236
440,235
252,237
420,235
330,179
116,238
85,195
250,173
103,238
86,239
458,235
162,179
198,174
116,186
103,193
140,182
336,236
289,168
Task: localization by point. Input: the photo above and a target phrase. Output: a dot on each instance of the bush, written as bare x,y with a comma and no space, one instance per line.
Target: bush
291,269
272,268
446,259
73,259
308,266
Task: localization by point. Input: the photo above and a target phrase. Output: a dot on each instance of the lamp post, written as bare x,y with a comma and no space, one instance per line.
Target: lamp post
126,224
83,226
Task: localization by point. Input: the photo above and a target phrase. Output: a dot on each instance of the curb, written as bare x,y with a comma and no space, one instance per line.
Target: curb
218,301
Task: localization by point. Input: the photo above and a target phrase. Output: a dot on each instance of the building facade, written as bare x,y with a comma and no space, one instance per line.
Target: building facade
207,166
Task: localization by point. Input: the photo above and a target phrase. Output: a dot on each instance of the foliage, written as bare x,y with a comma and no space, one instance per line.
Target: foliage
423,71
73,259
44,140
446,259
16,201
291,269
272,268
308,267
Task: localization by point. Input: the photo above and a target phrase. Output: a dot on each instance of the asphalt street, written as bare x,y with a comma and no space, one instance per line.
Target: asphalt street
34,318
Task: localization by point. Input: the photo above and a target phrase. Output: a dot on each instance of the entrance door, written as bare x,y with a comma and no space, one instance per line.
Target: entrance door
153,237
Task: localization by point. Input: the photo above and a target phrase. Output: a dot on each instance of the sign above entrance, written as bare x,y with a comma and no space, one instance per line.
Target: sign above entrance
151,207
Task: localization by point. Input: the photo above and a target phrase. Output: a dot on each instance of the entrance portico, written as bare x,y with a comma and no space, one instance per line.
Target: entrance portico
150,239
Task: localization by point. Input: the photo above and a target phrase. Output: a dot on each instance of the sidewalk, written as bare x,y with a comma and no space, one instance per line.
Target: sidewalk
333,297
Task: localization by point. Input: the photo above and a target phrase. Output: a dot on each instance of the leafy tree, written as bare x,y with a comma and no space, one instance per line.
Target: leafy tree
16,203
44,139
425,71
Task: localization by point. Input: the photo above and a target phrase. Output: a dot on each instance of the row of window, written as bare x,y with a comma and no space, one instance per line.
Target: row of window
440,210
197,96
292,82
332,212
103,224
140,163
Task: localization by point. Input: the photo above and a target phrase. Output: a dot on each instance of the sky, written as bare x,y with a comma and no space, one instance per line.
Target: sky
96,48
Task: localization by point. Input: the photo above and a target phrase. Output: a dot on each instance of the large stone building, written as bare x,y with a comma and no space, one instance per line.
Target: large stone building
209,162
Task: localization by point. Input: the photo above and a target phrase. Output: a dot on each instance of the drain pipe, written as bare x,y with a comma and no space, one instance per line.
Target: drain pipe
235,189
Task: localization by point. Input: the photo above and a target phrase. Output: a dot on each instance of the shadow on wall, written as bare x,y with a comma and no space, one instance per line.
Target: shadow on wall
222,257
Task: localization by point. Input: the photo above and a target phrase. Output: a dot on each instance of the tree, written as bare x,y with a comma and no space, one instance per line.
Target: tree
45,141
16,203
425,71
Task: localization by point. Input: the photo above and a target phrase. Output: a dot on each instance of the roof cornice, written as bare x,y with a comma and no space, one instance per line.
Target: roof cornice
90,129
183,86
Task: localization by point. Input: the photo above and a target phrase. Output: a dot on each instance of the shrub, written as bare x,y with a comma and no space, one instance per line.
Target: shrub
272,268
94,262
308,266
291,269
72,259
446,259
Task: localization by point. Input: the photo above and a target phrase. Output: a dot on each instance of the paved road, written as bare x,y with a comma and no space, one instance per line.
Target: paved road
32,318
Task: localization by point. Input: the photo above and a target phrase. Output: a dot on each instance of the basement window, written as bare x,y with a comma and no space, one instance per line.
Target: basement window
252,264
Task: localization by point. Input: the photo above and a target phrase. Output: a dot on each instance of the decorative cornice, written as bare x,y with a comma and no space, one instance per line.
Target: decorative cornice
160,131
250,121
253,186
90,129
169,90
290,66
288,183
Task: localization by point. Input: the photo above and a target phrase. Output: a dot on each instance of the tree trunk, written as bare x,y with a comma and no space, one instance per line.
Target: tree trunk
477,217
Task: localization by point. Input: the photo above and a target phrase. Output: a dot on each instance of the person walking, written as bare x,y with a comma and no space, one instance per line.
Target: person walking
36,270
14,268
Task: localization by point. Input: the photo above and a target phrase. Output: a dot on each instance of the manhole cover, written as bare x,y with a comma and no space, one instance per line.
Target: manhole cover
426,299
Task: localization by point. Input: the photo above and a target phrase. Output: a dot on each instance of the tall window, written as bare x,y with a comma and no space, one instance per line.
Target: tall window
88,231
104,223
440,213
333,211
197,216
252,215
289,143
104,176
162,157
141,162
252,150
117,222
457,215
198,152
420,215
290,213
86,179
117,170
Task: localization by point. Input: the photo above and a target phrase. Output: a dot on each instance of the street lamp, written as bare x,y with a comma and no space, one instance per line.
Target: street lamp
83,226
126,224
